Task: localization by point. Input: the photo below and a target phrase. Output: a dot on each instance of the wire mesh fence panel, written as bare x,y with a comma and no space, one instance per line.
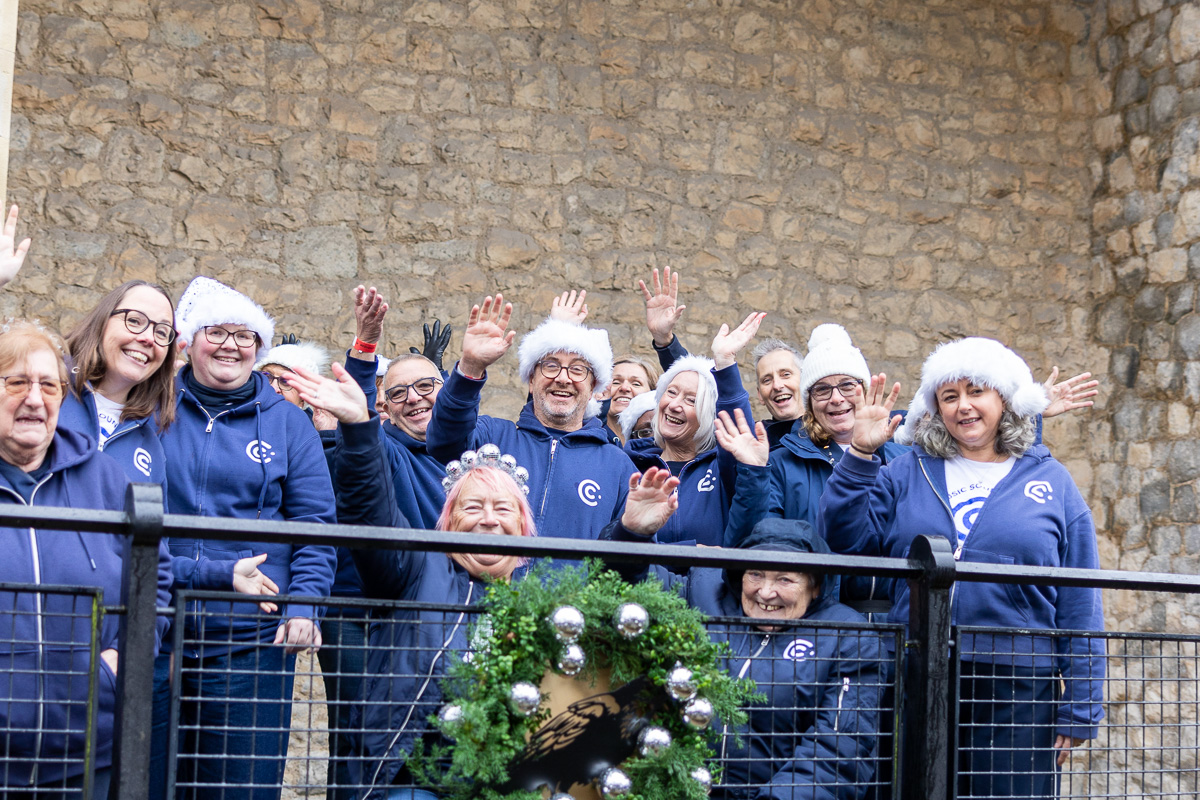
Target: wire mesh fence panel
56,691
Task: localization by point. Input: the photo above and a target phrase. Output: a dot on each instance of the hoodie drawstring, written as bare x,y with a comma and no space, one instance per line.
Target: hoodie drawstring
262,458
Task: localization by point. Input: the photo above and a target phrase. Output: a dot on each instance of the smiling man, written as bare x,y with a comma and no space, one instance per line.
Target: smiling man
577,480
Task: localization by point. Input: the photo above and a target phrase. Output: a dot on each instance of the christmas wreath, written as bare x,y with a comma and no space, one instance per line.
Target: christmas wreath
651,737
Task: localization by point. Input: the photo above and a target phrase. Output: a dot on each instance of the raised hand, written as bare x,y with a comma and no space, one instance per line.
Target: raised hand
747,446
11,258
435,344
662,310
570,308
247,579
369,311
651,501
1070,394
873,422
487,337
340,398
728,343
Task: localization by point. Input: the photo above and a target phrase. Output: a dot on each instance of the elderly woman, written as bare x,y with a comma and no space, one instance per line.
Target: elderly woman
637,420
632,376
238,449
976,477
123,381
47,648
688,397
408,651
814,737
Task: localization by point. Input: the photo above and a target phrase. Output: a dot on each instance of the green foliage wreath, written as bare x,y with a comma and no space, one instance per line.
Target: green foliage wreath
514,642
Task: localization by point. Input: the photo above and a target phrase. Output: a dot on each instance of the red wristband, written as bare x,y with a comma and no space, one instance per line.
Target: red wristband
363,347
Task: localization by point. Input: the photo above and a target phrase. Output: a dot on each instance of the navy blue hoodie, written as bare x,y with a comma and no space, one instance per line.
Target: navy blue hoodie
578,481
1034,516
134,444
814,736
258,460
47,638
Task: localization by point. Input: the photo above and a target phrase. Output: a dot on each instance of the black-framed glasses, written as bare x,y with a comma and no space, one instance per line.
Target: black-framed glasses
136,322
824,391
424,388
551,369
19,386
278,382
218,335
641,433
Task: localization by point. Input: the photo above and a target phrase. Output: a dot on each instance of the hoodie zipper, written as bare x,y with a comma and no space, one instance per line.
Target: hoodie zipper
841,696
742,674
958,550
549,472
207,445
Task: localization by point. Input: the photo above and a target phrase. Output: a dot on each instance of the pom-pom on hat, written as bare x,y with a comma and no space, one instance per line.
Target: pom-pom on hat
830,352
638,405
208,302
306,355
984,362
556,336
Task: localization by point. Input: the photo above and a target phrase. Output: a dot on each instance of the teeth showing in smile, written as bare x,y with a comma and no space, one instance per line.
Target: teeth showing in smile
768,608
674,420
416,412
141,358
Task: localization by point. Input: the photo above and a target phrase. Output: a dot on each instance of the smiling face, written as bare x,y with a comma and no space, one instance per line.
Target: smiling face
222,366
767,594
412,414
972,416
130,358
628,381
835,414
27,423
276,373
483,508
560,402
779,384
677,419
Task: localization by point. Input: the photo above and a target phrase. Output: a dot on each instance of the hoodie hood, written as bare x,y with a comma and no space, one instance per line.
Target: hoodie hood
787,535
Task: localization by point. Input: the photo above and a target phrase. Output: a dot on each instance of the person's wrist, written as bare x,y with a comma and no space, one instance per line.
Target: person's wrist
472,369
861,452
723,360
661,342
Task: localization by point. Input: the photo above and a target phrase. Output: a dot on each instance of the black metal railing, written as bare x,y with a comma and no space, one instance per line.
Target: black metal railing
928,751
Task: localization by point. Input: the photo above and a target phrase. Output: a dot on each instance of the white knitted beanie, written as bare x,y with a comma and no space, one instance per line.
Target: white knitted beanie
830,352
557,336
208,302
984,362
308,356
638,405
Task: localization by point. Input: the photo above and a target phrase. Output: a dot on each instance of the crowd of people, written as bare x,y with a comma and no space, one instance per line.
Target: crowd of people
196,396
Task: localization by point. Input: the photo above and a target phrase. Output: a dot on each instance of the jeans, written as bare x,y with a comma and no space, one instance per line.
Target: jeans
234,721
342,658
70,789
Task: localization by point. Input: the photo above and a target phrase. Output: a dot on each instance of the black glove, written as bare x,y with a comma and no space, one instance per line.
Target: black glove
436,342
289,338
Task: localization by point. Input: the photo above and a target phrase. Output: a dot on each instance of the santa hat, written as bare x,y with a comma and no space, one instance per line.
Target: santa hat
381,366
638,405
984,362
208,302
308,356
556,336
830,352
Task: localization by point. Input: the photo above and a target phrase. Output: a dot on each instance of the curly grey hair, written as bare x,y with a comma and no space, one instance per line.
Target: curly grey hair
1014,435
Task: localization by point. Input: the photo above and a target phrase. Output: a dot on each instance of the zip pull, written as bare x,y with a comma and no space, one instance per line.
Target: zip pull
211,420
958,551
838,716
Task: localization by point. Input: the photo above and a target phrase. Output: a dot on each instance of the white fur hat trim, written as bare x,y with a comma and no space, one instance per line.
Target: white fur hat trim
699,364
381,366
556,336
830,352
638,405
305,355
984,362
208,302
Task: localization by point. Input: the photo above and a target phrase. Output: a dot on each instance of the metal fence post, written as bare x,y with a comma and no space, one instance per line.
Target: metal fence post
135,678
927,745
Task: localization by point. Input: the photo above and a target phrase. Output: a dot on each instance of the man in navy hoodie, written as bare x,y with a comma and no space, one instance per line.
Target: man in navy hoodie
577,479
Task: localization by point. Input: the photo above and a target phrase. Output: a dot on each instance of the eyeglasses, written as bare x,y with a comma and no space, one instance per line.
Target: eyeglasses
136,322
217,335
641,433
279,382
551,369
423,388
823,391
19,385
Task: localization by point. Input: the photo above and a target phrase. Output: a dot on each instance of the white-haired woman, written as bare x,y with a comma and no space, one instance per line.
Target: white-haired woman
976,476
688,397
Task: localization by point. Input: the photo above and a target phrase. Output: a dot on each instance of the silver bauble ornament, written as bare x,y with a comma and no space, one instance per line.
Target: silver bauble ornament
467,460
447,482
698,713
489,455
631,620
567,622
520,475
561,796
508,463
454,469
703,777
572,660
653,740
450,715
525,698
681,684
615,783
